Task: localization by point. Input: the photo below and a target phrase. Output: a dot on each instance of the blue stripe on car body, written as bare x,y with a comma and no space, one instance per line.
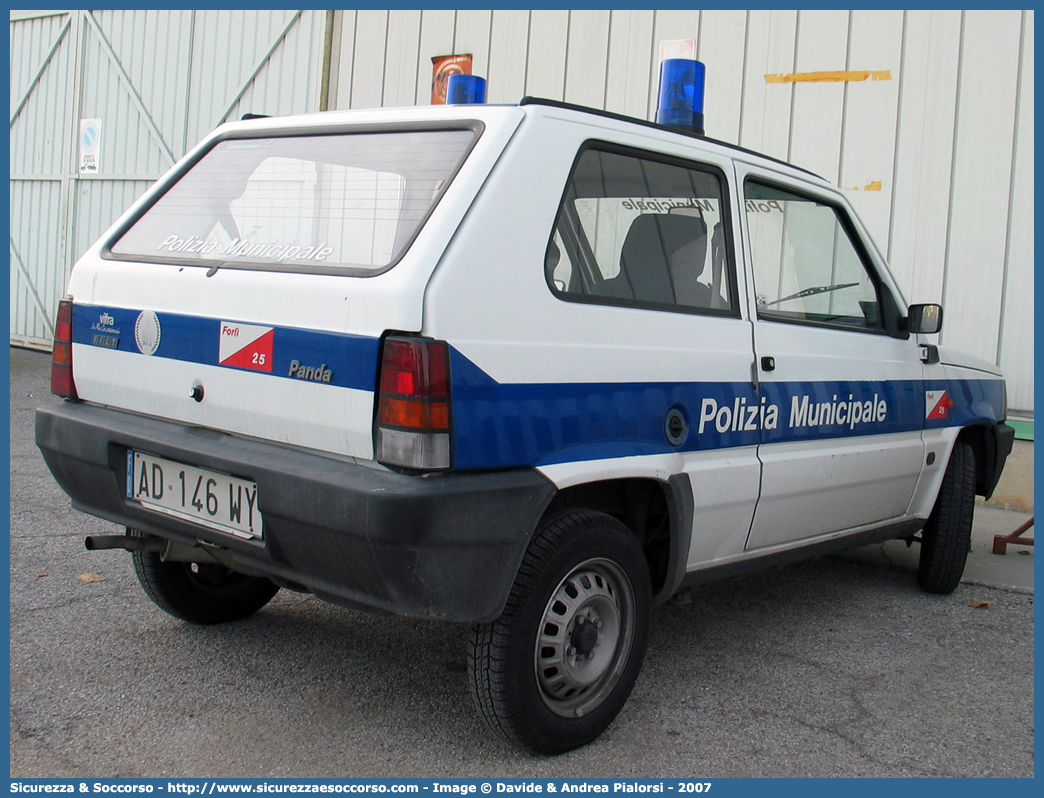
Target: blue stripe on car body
503,425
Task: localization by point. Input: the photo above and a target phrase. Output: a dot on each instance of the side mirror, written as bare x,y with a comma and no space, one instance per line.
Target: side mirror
926,319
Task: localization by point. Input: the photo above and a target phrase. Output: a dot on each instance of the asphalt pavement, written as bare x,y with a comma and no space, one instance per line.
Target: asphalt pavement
837,666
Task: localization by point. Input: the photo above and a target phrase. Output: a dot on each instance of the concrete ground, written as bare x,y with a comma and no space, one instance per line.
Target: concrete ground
1010,506
1010,571
1015,489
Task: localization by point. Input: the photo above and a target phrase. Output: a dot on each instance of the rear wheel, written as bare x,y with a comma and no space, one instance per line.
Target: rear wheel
203,593
946,537
555,669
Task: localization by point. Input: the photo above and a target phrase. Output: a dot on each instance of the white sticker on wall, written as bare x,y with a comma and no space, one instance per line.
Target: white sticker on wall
677,48
90,141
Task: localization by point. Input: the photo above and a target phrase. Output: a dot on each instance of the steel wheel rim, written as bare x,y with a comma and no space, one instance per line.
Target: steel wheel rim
585,634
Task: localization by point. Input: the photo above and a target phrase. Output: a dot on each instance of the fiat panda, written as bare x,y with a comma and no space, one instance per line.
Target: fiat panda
532,368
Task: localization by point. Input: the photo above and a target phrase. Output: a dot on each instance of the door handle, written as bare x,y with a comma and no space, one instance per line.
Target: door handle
768,363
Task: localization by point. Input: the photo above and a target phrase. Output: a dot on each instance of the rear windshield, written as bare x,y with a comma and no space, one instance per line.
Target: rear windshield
313,203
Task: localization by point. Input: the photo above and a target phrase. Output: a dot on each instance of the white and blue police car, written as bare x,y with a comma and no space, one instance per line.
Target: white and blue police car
534,368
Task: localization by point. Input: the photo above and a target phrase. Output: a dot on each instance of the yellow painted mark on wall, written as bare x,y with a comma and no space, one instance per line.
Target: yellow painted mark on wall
830,77
875,186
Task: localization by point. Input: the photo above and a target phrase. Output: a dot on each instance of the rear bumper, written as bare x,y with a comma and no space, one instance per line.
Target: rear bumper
443,546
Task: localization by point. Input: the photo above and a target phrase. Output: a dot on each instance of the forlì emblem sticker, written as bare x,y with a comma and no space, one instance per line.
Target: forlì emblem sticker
147,332
936,404
246,346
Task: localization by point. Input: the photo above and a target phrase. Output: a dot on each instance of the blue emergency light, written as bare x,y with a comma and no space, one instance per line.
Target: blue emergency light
681,94
465,90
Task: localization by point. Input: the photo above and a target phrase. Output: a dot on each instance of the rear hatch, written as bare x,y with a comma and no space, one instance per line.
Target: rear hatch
249,289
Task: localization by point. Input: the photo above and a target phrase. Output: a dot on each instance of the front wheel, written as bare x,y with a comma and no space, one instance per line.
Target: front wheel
555,669
946,537
203,593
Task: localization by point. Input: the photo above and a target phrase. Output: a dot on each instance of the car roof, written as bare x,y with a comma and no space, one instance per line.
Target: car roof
678,131
488,113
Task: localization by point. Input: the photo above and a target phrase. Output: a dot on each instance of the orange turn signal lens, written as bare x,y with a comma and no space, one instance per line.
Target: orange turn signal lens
61,356
413,414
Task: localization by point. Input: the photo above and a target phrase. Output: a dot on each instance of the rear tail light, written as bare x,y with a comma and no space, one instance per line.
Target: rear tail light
414,422
61,356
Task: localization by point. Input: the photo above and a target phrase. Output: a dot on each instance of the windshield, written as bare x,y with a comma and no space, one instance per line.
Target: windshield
352,201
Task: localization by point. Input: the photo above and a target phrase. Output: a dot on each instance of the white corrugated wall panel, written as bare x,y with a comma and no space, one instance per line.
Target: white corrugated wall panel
158,81
982,158
1016,345
38,140
721,45
401,62
892,141
141,120
630,64
147,44
371,44
546,58
262,62
818,109
41,137
342,66
938,158
509,38
436,38
588,54
471,35
765,112
924,153
162,80
37,275
289,78
871,111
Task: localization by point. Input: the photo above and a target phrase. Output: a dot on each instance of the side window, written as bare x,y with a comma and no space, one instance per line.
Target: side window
806,266
634,230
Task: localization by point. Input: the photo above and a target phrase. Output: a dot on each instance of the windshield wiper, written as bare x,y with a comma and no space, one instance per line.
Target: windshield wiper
819,289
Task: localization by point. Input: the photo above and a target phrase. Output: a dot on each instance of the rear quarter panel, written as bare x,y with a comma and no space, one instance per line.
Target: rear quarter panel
327,322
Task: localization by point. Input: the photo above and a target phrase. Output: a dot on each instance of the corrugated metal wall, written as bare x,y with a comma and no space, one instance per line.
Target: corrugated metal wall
935,146
158,81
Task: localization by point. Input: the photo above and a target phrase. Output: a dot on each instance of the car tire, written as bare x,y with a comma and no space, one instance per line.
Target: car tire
946,537
202,593
554,670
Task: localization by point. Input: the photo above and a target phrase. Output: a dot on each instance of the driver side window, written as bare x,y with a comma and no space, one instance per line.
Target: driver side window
806,265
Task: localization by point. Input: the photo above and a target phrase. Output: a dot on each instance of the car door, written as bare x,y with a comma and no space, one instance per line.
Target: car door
643,257
842,449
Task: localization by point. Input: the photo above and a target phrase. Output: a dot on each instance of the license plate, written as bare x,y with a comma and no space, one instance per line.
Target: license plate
217,501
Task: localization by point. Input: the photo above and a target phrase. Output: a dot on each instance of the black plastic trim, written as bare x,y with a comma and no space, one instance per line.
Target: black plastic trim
1000,440
682,508
443,546
755,561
